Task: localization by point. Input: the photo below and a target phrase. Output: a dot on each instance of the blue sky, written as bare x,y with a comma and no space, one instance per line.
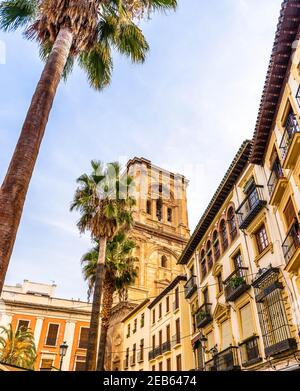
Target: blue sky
188,108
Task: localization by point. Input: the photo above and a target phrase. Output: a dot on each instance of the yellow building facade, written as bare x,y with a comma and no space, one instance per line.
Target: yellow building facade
243,259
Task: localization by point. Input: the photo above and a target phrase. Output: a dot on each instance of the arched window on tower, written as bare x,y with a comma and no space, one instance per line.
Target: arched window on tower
159,209
223,234
149,209
231,223
164,262
203,264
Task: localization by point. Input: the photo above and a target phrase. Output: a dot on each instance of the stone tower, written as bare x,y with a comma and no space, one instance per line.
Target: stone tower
161,232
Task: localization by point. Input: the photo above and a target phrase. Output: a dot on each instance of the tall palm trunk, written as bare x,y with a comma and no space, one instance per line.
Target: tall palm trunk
108,294
95,315
15,186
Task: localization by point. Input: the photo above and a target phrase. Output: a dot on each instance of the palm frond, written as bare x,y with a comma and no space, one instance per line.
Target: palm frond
17,13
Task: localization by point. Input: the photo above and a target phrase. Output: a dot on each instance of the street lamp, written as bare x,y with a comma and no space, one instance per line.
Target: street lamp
62,352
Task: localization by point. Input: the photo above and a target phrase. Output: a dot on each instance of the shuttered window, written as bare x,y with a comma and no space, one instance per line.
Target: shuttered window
226,334
210,344
83,339
80,364
289,213
52,334
247,321
46,365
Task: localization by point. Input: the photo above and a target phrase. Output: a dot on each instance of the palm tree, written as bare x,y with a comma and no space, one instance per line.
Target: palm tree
120,272
66,30
105,206
17,347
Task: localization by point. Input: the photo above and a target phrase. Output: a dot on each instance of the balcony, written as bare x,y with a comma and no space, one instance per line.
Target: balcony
249,349
126,363
227,360
251,206
155,353
291,249
203,315
277,184
166,347
190,287
290,143
236,284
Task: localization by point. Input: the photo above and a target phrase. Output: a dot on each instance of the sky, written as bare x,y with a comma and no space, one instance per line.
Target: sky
187,109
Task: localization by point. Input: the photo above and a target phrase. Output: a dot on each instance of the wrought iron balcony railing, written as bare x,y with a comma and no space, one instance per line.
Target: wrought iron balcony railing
291,243
291,128
236,284
227,360
176,339
249,349
190,287
155,353
203,315
251,206
166,347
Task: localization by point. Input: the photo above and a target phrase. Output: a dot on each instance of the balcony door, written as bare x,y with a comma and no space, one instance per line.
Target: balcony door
226,334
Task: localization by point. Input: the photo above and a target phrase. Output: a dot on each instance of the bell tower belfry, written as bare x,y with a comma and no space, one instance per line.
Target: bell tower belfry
161,226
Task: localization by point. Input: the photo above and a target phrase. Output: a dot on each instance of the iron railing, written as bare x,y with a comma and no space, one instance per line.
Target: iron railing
251,206
166,347
140,356
291,243
236,284
291,128
155,353
250,351
190,287
227,360
203,315
176,339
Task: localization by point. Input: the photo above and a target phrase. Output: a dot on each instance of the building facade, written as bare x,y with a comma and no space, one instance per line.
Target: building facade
52,321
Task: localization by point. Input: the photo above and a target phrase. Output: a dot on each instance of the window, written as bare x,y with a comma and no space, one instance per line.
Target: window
83,338
159,209
209,255
134,326
178,363
149,209
153,341
142,343
232,224
168,364
167,304
46,365
203,264
223,233
216,245
134,354
247,322
80,364
142,320
226,334
176,298
23,324
153,316
160,310
238,261
220,283
128,331
160,366
210,344
164,261
205,296
160,341
168,333
177,327
169,215
52,334
261,239
127,358
298,96
153,368
289,213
